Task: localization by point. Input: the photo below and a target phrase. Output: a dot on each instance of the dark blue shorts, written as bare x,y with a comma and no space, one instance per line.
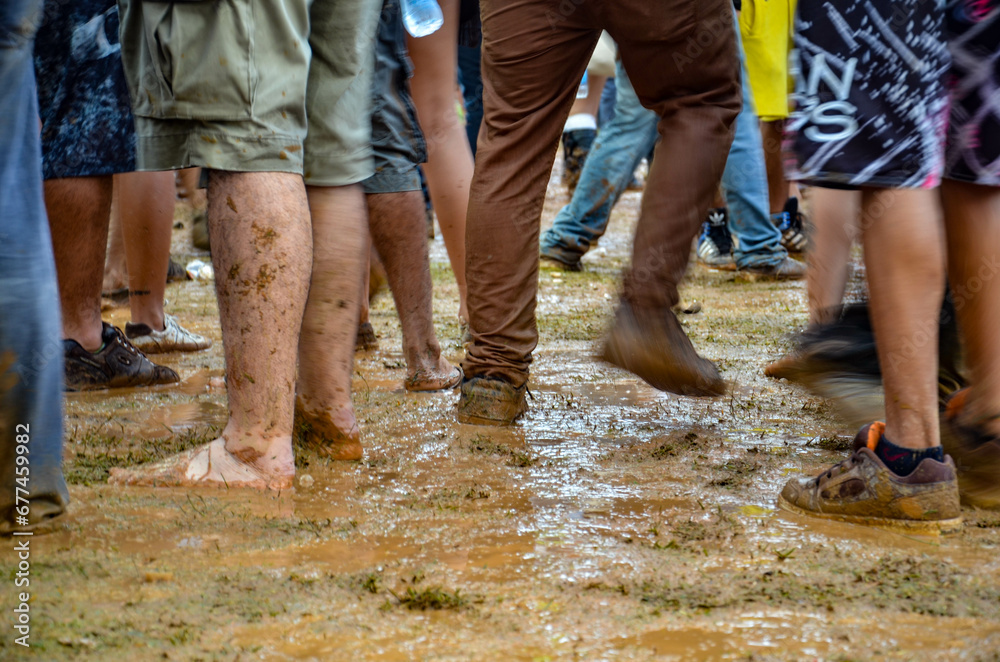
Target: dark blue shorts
87,124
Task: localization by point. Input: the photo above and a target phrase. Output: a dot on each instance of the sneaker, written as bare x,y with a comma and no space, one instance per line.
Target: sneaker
862,490
791,224
977,456
173,338
654,347
489,401
576,145
549,262
715,244
787,269
118,364
366,339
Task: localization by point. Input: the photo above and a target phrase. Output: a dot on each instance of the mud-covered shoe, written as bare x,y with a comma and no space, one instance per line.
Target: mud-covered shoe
546,261
976,454
487,401
576,145
787,269
173,338
715,244
653,346
117,365
862,490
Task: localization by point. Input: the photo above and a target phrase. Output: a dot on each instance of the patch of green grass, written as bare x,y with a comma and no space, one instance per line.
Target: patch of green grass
432,598
95,452
514,457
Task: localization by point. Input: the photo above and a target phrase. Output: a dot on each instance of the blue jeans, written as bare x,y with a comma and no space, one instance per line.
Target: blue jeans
31,349
616,153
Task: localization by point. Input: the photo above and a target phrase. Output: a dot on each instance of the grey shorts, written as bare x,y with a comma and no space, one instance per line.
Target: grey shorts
229,85
396,137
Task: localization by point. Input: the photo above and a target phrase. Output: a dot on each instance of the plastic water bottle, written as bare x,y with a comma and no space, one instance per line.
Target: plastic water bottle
584,88
421,17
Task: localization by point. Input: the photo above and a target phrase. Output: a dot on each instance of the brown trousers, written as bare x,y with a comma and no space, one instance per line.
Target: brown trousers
681,58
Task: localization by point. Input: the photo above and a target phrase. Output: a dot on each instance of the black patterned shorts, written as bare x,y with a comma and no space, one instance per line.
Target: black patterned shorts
87,124
896,94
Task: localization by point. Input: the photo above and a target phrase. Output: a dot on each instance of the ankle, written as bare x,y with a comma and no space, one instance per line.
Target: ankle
903,461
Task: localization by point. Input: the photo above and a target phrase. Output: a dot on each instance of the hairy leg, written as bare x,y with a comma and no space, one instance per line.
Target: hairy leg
336,294
79,209
146,211
398,233
905,259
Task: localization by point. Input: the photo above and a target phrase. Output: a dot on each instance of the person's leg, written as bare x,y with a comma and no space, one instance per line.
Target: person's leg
79,209
972,223
580,130
146,210
777,186
646,338
620,146
115,264
835,224
396,221
530,70
745,188
449,159
31,371
904,247
336,293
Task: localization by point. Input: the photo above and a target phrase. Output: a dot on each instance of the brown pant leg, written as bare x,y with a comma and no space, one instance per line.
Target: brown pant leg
681,57
534,54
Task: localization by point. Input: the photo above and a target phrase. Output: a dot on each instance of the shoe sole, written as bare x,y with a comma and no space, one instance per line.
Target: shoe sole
471,419
917,527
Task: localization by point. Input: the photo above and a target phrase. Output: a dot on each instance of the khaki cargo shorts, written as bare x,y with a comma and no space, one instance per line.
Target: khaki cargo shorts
253,85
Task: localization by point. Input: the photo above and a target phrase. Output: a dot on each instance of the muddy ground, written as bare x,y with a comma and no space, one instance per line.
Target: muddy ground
614,523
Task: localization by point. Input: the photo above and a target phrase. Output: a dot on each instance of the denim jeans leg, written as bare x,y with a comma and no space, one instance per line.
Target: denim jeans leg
619,147
744,184
31,349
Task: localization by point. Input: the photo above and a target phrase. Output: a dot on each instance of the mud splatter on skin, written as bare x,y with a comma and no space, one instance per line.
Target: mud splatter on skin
613,520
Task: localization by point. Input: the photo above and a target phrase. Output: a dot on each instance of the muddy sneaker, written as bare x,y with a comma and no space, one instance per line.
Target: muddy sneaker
862,490
791,225
117,365
576,145
553,263
653,346
487,401
787,269
366,340
977,456
173,338
715,244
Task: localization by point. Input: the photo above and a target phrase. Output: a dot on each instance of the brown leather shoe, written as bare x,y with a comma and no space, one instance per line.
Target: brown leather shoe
862,490
653,346
487,401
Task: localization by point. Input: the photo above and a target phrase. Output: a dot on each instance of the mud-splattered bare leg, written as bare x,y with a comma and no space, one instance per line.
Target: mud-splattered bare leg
262,254
326,350
399,233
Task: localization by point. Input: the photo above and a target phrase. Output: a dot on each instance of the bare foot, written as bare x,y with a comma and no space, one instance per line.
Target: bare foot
210,465
332,433
443,377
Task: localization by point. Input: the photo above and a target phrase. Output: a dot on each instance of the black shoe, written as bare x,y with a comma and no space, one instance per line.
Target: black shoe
791,224
715,244
653,346
787,269
546,261
576,145
118,365
488,401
